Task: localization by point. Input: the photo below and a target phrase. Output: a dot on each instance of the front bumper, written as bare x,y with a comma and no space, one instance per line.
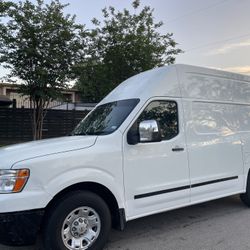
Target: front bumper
20,228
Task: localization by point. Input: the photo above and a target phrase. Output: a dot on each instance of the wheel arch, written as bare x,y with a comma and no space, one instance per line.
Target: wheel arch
118,214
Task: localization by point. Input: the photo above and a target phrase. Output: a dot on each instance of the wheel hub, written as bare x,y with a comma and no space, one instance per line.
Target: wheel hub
79,227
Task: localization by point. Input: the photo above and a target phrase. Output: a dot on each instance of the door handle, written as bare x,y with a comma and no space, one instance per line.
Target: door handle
177,149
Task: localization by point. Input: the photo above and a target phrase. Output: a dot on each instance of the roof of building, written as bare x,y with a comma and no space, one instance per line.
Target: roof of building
14,86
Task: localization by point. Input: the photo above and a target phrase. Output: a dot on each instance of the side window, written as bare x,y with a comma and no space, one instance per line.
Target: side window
166,114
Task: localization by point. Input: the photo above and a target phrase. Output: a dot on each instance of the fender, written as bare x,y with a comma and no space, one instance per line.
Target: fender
81,175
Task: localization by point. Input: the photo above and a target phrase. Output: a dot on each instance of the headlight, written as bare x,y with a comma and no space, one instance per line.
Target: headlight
13,181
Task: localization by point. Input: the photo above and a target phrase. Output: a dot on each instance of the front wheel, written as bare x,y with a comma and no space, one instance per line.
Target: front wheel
81,220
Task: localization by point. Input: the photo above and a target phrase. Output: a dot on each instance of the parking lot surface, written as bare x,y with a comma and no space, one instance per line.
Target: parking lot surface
217,225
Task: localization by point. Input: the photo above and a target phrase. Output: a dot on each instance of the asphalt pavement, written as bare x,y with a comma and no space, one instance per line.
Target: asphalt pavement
217,225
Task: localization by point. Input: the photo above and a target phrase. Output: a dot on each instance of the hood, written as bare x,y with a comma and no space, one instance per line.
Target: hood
25,151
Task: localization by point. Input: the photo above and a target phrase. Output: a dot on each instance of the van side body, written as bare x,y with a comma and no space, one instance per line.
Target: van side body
207,157
214,126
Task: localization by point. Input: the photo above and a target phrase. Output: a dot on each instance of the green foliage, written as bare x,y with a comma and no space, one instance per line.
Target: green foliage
45,48
123,45
4,8
41,46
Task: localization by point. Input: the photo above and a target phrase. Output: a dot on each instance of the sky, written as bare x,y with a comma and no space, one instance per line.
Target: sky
214,33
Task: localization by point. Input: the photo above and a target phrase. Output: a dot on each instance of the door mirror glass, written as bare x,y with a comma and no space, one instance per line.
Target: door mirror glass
149,131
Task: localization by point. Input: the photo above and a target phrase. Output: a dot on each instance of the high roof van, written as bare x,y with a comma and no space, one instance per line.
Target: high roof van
167,138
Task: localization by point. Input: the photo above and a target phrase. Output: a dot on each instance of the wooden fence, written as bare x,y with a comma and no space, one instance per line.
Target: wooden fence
15,124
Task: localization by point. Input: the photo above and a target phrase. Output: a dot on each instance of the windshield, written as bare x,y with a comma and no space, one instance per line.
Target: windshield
106,118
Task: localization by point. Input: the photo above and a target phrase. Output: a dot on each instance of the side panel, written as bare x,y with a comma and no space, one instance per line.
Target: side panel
243,114
246,154
214,148
209,84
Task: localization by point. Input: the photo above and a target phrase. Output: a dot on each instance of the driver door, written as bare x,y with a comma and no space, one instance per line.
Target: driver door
156,174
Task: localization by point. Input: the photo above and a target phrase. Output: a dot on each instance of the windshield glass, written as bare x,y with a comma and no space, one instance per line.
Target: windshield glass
106,118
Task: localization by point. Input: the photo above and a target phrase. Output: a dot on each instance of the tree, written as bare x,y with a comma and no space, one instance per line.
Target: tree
41,46
4,8
121,46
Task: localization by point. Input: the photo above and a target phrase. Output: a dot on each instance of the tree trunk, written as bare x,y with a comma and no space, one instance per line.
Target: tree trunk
37,119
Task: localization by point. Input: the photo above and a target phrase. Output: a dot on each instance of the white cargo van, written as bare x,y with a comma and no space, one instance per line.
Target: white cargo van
167,138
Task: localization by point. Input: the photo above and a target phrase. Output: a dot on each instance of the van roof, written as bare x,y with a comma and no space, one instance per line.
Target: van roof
180,80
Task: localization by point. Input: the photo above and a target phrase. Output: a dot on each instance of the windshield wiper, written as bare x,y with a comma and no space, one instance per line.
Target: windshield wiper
101,133
82,133
92,133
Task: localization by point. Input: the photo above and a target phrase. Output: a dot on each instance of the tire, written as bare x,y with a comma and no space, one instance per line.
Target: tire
85,218
245,198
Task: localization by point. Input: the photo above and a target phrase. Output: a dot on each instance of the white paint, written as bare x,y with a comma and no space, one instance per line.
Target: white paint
215,147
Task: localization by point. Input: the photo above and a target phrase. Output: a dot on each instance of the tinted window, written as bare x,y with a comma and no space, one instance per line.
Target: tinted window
106,118
166,114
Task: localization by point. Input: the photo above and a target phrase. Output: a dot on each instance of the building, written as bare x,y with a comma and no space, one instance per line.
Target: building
71,98
5,101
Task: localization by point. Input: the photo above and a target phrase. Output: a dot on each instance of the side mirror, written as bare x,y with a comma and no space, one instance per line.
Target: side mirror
149,131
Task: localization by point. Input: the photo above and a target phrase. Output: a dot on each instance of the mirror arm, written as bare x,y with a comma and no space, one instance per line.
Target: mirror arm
133,138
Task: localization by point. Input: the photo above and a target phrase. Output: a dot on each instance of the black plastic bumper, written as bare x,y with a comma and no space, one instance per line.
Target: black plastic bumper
20,228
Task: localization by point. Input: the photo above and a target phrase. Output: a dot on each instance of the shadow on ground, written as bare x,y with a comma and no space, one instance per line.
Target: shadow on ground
216,225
